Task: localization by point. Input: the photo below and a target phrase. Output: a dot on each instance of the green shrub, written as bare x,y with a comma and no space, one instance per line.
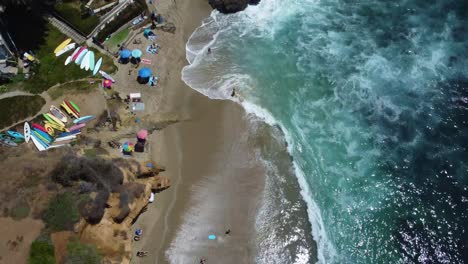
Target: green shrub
78,253
72,12
125,16
62,213
42,252
14,109
20,211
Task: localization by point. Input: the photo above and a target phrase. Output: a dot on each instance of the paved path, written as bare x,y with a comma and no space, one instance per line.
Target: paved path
13,94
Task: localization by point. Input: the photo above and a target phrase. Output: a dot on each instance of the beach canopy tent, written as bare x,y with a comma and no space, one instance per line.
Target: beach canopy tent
107,83
136,53
125,54
144,72
134,97
146,32
138,107
142,134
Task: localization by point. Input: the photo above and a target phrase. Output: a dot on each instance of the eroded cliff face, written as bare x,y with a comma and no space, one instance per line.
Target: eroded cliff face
111,232
231,6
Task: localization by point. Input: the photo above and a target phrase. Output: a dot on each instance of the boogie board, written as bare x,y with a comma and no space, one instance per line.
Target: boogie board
41,146
85,61
90,65
107,76
78,53
97,66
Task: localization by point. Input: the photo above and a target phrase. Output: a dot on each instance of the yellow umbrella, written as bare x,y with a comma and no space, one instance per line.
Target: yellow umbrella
62,45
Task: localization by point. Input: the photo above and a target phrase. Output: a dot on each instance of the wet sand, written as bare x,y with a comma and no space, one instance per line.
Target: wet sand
216,181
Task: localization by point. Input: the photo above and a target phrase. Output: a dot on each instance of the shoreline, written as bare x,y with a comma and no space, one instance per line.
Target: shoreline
195,151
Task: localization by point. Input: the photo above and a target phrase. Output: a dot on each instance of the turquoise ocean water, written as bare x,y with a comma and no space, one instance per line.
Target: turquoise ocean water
373,99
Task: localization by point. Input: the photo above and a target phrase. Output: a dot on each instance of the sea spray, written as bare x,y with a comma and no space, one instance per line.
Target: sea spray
372,101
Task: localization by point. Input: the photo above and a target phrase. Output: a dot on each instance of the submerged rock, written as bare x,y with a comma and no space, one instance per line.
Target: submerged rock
231,6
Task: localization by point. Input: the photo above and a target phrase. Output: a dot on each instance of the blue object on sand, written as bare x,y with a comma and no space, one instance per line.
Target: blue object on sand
138,232
144,72
125,54
136,53
149,165
211,237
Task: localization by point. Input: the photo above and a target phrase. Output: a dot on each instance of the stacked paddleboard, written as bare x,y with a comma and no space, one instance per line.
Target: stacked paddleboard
59,128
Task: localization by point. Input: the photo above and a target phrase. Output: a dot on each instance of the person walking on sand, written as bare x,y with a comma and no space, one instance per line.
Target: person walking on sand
228,232
209,50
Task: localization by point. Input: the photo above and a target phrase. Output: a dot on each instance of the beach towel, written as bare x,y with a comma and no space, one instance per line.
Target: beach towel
150,50
146,61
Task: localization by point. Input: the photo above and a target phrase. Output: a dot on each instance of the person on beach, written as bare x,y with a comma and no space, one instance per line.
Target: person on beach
209,50
233,92
228,232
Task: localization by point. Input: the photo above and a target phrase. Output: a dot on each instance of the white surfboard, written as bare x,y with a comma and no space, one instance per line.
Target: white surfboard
85,60
27,132
97,66
66,49
36,142
107,76
68,60
65,138
90,65
81,56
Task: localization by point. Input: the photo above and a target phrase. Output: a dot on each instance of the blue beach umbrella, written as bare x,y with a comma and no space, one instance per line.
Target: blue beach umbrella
146,32
136,53
144,72
125,54
211,237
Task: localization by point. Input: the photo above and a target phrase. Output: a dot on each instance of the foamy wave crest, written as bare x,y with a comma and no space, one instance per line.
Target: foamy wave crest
325,250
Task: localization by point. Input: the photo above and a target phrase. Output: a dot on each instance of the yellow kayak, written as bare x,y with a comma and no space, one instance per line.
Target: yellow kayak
69,111
50,129
62,45
56,126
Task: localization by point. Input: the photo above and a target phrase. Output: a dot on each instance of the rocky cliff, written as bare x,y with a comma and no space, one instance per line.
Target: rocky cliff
231,6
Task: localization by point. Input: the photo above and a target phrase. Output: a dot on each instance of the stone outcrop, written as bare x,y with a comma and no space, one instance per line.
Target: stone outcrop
124,204
231,6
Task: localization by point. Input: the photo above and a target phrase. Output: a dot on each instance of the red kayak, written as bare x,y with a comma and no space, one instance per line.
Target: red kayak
71,107
39,127
78,53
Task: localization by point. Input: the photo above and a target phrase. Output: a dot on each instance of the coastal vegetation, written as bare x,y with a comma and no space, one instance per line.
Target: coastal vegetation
42,251
74,12
62,212
78,253
82,86
14,109
118,38
131,12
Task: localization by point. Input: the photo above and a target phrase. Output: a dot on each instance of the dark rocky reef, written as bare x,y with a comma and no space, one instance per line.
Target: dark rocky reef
231,6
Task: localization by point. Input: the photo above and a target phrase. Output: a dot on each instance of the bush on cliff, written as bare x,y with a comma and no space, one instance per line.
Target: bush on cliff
42,251
78,253
62,213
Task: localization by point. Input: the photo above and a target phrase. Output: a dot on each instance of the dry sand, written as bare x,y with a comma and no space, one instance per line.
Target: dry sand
216,183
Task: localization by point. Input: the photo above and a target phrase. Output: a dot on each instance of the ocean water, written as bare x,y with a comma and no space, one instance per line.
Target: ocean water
372,98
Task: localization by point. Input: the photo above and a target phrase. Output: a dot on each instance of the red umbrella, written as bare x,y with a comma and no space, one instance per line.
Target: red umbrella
142,134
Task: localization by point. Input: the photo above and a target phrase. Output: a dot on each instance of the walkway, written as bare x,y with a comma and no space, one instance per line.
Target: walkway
65,29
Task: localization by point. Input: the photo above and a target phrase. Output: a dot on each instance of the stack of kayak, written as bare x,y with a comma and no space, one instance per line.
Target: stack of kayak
11,138
58,129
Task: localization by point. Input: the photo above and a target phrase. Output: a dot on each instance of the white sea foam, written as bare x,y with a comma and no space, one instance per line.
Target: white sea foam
200,77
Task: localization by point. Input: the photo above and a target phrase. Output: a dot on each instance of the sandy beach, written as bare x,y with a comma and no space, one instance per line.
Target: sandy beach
216,184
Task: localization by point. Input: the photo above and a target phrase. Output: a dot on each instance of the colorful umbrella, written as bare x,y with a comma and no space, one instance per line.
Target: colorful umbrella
136,53
127,147
106,83
144,72
142,134
124,54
